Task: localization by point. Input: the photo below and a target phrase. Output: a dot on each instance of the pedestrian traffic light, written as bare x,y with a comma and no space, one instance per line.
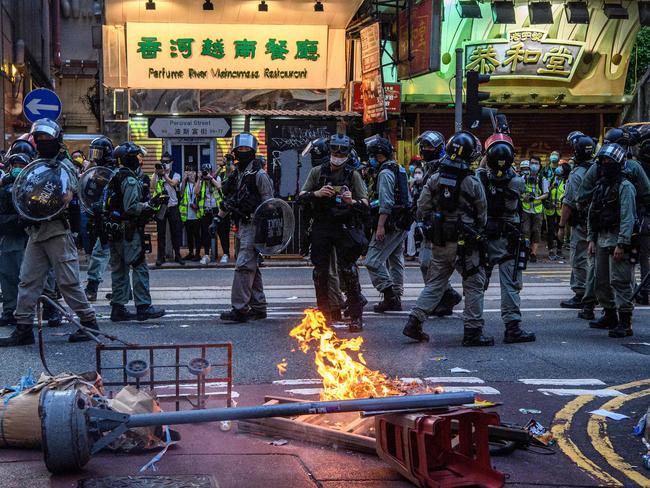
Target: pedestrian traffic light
474,113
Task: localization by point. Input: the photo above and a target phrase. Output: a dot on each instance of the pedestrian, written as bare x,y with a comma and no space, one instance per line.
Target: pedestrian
503,190
385,258
552,211
532,203
50,246
190,211
100,153
166,182
611,219
208,198
249,188
454,206
338,201
413,240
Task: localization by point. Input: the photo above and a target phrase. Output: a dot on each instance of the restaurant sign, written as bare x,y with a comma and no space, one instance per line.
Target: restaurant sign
525,53
226,56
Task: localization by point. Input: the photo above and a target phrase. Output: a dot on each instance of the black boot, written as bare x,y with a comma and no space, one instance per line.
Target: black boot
23,335
587,312
449,300
514,334
52,315
234,316
335,315
80,335
346,306
390,303
119,313
413,329
608,320
475,338
624,328
575,302
9,321
642,298
256,314
145,312
91,290
180,260
356,324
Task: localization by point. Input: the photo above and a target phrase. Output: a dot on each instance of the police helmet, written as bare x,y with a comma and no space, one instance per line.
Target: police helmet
379,145
463,145
245,139
431,144
17,159
354,158
340,145
101,150
48,127
23,146
573,135
613,151
499,157
319,150
583,148
624,136
126,155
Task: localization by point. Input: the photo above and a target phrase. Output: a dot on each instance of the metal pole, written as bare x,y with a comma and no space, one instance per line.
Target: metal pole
458,102
423,402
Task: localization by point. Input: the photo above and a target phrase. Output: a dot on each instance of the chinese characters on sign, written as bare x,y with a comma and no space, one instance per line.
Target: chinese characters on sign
227,56
525,53
419,46
372,86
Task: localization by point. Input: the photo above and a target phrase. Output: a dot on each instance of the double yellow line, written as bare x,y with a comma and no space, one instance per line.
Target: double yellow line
597,431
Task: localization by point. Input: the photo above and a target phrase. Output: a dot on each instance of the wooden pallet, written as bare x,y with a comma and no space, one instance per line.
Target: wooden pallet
339,430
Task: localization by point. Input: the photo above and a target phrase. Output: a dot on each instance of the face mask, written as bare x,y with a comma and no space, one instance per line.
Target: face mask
559,171
429,154
534,168
554,158
373,162
337,161
48,148
524,171
611,170
244,157
15,172
411,168
417,177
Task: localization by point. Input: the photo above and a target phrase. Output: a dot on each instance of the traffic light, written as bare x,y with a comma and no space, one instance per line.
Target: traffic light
474,113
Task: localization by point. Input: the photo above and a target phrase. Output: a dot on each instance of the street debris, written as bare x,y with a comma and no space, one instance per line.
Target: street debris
184,326
282,366
460,370
540,433
530,411
610,415
279,442
439,358
639,428
292,298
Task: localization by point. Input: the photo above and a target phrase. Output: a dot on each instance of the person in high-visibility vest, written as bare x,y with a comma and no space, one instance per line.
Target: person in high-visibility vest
208,197
532,204
165,180
190,214
553,210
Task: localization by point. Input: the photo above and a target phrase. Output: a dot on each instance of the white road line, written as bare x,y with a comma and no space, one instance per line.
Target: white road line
580,392
304,391
482,390
453,379
562,381
304,381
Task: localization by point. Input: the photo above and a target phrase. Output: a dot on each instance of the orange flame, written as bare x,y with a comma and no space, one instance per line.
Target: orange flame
282,366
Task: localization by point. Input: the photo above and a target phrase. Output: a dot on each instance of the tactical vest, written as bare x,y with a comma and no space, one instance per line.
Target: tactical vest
498,194
326,208
401,189
450,180
113,198
533,186
605,213
244,196
555,198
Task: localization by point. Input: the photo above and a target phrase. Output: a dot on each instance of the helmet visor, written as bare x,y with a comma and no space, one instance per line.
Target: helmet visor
339,149
95,154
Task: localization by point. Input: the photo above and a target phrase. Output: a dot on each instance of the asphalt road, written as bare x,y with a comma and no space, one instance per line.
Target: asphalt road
569,361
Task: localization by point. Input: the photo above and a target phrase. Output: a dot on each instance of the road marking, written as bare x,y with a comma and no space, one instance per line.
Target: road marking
562,381
305,391
579,392
305,381
482,390
453,379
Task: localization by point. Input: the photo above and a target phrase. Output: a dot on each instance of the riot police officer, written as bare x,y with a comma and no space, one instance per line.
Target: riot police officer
100,153
611,220
385,258
454,203
126,215
249,187
503,190
338,200
431,145
13,238
50,245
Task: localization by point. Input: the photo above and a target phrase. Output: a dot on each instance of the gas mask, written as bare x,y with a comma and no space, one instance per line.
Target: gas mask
338,161
48,148
611,169
429,154
244,157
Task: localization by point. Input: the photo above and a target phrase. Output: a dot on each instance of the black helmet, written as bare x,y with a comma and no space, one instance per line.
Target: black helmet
340,144
583,148
499,158
432,145
17,158
612,151
126,155
625,136
463,145
379,145
101,151
23,146
573,135
48,138
319,150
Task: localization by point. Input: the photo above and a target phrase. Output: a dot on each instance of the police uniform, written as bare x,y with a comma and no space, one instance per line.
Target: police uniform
612,215
337,226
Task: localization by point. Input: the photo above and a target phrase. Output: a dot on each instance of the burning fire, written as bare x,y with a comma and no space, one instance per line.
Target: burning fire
344,377
282,366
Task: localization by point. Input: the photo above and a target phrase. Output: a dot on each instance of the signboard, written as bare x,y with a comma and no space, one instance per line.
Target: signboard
372,86
226,56
41,104
525,53
189,127
392,95
419,53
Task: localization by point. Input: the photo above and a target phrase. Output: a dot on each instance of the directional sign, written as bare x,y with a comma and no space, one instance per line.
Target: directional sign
41,104
189,127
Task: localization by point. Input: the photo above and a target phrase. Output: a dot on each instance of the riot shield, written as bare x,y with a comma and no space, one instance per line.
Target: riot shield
91,187
43,190
274,224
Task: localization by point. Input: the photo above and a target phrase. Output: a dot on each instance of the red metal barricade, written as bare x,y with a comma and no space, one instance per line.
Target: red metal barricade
439,450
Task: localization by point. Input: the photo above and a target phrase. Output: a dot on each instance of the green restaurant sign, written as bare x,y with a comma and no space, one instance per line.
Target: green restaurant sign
526,53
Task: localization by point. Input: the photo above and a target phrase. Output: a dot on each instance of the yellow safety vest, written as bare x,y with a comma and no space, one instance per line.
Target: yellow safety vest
186,199
536,206
555,198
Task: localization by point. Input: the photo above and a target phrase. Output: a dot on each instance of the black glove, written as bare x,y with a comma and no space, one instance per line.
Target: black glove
212,230
8,179
160,199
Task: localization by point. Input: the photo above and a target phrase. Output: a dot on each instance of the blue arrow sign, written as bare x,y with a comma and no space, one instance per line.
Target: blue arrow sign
41,104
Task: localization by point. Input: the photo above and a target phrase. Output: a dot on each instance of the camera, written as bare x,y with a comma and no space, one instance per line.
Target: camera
159,166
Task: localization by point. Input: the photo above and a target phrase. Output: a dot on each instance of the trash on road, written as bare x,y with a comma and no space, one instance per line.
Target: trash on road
610,415
540,433
639,428
460,370
184,326
531,411
439,358
279,442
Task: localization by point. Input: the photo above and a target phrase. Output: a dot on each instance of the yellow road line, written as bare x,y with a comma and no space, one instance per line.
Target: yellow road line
560,431
597,430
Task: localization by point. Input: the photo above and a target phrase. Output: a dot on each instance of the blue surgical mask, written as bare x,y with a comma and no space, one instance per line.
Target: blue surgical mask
554,158
15,172
373,162
411,168
559,171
